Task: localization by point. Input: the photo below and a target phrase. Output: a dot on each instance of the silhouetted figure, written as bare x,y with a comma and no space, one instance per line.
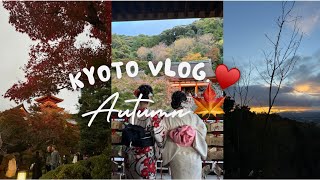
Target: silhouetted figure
48,159
64,159
55,158
37,166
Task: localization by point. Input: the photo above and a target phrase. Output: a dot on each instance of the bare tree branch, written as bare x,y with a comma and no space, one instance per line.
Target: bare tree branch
284,49
240,90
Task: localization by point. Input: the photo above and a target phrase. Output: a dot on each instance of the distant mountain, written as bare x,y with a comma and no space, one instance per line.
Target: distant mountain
308,116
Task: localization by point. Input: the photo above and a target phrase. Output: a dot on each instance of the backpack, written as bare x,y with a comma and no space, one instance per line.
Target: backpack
137,136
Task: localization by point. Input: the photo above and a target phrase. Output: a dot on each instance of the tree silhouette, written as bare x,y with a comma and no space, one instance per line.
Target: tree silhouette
280,59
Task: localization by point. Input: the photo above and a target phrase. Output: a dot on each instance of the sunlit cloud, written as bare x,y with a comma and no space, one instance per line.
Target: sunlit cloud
280,109
307,88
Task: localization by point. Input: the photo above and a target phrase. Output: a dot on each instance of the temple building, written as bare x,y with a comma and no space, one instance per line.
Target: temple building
23,110
189,85
49,101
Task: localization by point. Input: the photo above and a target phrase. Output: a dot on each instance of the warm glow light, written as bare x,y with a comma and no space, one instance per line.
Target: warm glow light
307,88
22,175
278,109
303,88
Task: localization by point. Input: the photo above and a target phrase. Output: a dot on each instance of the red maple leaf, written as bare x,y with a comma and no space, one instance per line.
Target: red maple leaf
209,104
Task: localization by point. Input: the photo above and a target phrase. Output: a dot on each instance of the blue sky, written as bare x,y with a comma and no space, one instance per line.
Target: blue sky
247,22
152,27
245,26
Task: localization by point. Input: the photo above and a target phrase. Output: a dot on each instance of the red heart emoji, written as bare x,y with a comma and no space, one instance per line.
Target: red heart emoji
227,77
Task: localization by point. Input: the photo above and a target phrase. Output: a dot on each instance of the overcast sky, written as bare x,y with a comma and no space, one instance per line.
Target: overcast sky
14,49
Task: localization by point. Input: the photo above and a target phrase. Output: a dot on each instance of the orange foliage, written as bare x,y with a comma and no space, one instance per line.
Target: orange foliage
193,56
209,104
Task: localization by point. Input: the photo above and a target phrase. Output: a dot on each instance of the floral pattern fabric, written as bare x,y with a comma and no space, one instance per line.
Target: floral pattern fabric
140,162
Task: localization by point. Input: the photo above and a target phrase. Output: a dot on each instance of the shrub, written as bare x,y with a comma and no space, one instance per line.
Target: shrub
97,167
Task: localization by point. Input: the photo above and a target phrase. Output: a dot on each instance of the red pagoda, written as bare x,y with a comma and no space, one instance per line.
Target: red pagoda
49,101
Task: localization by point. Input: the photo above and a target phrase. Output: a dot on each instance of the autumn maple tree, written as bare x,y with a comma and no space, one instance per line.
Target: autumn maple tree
36,130
55,27
50,126
68,36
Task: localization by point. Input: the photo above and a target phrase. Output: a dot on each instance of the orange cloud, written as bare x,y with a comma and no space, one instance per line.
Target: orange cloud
307,88
278,109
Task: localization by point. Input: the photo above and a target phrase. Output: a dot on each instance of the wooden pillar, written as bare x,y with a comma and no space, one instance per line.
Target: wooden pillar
180,86
196,89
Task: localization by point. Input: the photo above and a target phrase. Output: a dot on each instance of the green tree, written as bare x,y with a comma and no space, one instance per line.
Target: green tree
190,33
96,138
213,26
149,56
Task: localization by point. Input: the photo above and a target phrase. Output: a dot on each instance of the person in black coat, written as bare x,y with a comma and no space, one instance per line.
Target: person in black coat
37,167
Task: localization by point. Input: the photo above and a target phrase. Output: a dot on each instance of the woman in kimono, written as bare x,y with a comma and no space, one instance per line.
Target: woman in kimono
140,162
182,140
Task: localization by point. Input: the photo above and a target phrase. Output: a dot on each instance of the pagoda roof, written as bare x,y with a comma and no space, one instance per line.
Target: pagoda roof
22,108
48,98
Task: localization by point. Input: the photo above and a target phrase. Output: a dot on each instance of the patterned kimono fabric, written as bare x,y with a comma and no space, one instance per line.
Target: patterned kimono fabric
185,162
140,162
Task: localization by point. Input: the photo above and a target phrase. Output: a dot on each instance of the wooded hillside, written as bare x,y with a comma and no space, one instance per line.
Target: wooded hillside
200,40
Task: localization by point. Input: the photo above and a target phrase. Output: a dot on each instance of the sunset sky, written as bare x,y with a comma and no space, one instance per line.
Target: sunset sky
245,26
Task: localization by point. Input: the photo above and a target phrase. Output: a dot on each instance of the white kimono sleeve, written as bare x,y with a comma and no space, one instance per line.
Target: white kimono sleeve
200,143
160,135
